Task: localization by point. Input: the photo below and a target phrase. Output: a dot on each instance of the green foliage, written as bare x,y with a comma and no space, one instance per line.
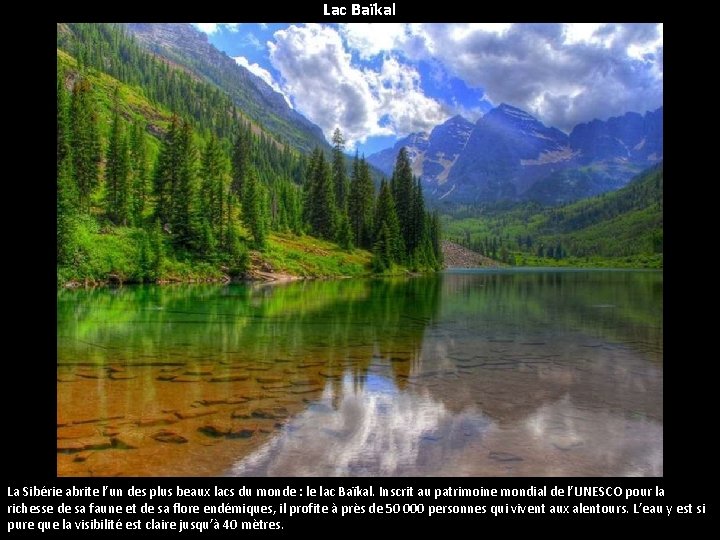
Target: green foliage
388,242
344,236
117,171
361,203
621,228
189,188
308,256
320,209
340,181
255,208
402,187
138,173
84,142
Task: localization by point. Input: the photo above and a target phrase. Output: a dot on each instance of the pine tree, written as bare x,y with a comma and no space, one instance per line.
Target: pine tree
166,172
360,207
183,218
63,135
417,232
214,186
117,186
344,236
138,172
85,142
387,228
339,174
402,187
255,212
241,157
320,198
66,210
158,251
435,239
66,189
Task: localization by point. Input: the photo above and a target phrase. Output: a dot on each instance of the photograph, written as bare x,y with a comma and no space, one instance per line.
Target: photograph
338,249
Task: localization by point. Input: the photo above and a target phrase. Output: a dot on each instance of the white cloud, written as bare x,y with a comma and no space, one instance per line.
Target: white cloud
332,92
562,73
370,39
565,74
211,28
263,73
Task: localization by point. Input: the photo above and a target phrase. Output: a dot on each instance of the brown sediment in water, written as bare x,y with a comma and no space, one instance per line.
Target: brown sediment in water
171,421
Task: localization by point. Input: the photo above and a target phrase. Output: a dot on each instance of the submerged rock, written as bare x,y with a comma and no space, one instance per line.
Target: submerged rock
268,379
122,376
276,386
199,371
167,436
194,413
237,399
186,378
96,442
156,420
240,413
92,373
274,413
226,429
68,446
128,440
215,429
305,389
229,378
76,432
82,456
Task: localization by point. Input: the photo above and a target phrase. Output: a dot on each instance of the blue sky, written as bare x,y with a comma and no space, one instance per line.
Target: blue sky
379,82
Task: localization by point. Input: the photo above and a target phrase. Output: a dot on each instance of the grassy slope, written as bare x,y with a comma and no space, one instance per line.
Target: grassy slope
115,250
619,229
312,257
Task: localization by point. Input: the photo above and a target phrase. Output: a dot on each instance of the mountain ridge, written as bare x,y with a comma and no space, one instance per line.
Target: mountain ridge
183,44
508,154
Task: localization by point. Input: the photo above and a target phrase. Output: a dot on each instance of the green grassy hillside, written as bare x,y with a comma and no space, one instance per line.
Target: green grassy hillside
161,178
623,228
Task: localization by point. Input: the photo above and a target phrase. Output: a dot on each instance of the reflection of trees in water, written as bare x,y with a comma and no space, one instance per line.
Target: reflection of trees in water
620,306
340,323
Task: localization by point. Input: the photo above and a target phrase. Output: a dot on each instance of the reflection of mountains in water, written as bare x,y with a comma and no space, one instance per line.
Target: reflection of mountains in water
618,306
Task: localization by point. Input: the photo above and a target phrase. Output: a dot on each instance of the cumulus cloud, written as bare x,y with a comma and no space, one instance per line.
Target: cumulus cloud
263,73
318,72
361,77
564,74
371,39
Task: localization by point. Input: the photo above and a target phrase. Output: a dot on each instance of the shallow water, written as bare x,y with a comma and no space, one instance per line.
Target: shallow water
524,373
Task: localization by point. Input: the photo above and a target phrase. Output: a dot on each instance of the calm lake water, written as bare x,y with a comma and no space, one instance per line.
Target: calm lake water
487,373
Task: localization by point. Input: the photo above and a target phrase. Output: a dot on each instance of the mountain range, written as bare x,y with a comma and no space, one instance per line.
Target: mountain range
510,155
506,155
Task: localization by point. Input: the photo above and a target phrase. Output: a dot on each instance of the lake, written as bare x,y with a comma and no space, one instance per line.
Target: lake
465,373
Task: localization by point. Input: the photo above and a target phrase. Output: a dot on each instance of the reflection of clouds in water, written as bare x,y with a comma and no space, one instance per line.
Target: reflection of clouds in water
623,445
376,431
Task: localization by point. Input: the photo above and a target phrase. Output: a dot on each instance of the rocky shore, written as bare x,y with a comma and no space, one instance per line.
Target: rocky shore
457,256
